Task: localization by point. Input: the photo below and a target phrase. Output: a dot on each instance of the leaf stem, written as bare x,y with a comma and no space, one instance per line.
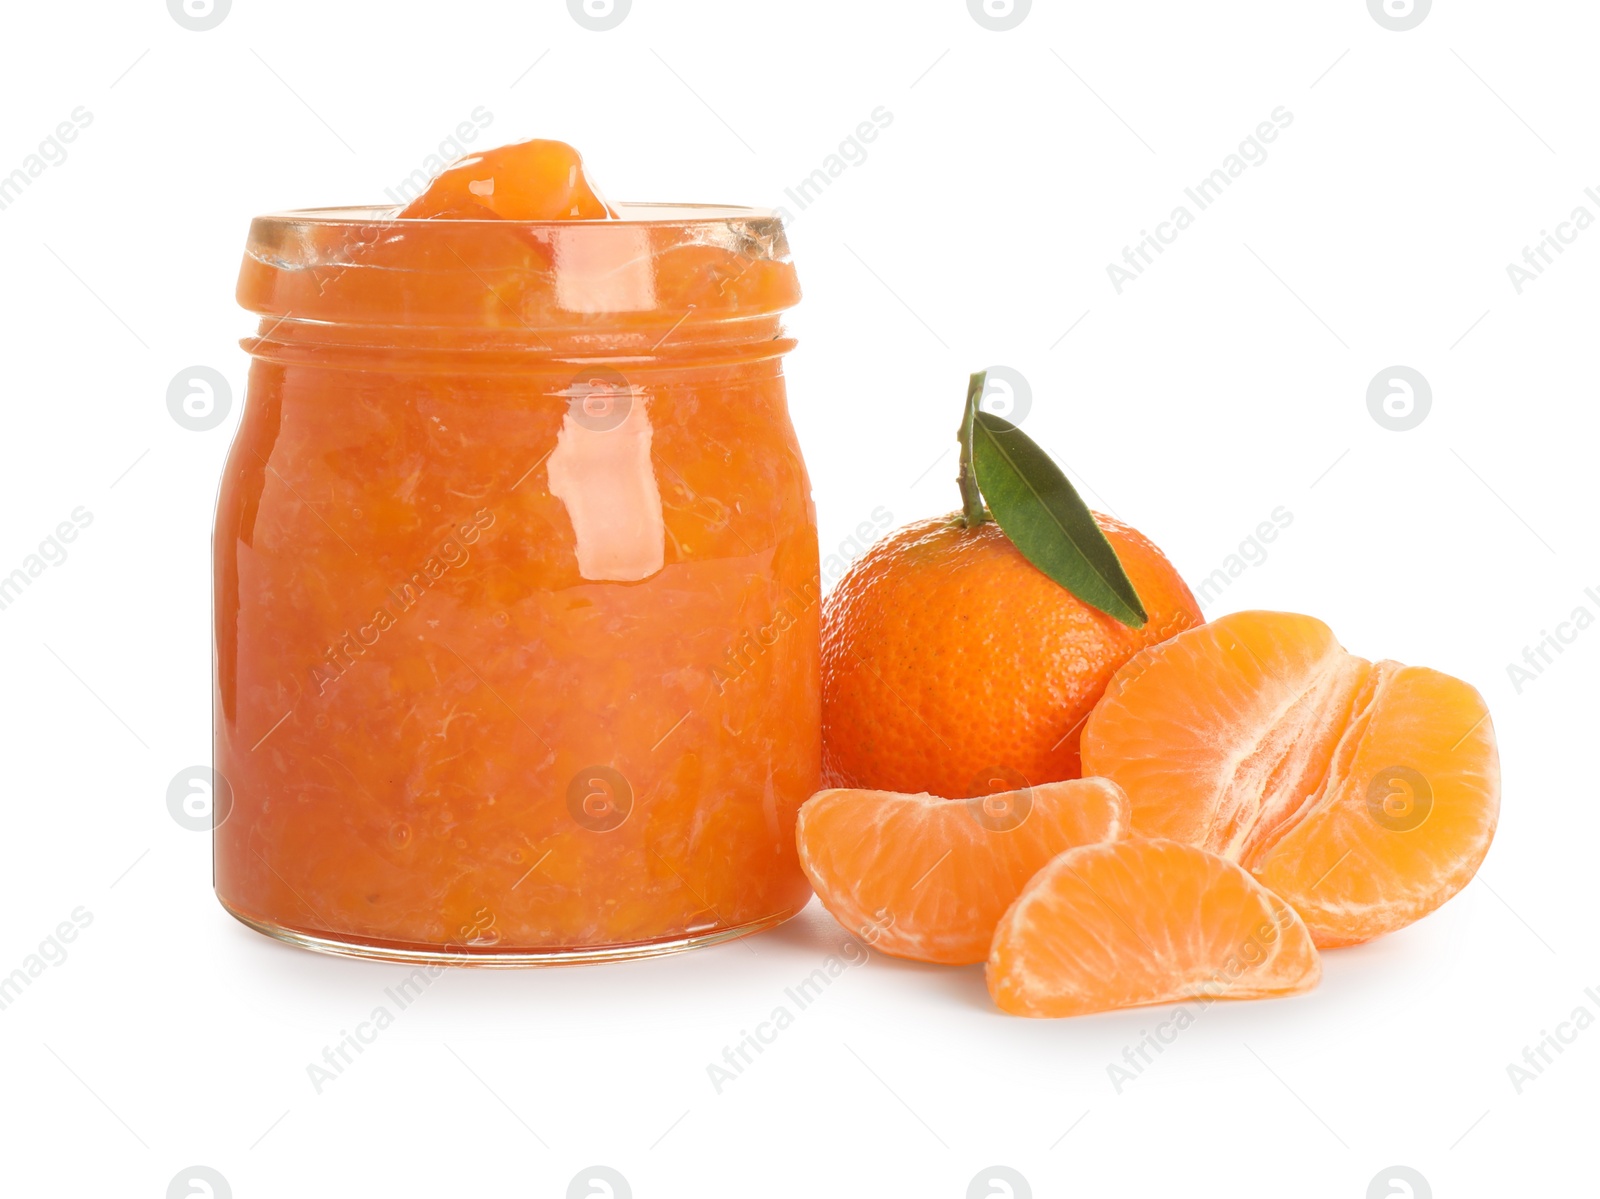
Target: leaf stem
972,512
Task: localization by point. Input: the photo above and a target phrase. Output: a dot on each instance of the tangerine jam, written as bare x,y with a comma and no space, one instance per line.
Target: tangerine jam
516,577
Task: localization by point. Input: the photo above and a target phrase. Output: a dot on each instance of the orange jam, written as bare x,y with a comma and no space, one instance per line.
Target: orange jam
516,577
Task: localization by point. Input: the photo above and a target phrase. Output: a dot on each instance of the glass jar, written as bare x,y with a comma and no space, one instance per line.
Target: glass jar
516,588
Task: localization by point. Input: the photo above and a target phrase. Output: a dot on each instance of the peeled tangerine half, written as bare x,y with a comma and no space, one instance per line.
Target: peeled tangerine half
928,878
1364,793
1139,922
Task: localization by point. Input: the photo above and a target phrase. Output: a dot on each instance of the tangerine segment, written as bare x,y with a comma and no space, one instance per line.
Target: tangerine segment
1405,818
927,878
1259,738
1137,922
1218,733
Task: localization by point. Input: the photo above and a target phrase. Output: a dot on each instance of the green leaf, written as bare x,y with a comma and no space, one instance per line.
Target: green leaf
1047,520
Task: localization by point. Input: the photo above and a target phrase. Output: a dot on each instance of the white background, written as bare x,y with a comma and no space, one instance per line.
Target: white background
1227,380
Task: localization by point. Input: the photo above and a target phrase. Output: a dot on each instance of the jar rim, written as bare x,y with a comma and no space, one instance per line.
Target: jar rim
662,264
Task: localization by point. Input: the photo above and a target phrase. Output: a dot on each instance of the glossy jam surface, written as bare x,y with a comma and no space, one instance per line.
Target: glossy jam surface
535,180
516,578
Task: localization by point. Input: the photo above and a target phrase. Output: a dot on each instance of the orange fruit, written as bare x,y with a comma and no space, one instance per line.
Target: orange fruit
1365,794
928,878
952,665
1137,922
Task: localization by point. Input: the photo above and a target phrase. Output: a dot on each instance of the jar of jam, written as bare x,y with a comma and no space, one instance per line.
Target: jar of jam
516,581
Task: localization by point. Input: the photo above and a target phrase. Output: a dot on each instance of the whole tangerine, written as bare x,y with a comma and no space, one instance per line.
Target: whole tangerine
953,665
